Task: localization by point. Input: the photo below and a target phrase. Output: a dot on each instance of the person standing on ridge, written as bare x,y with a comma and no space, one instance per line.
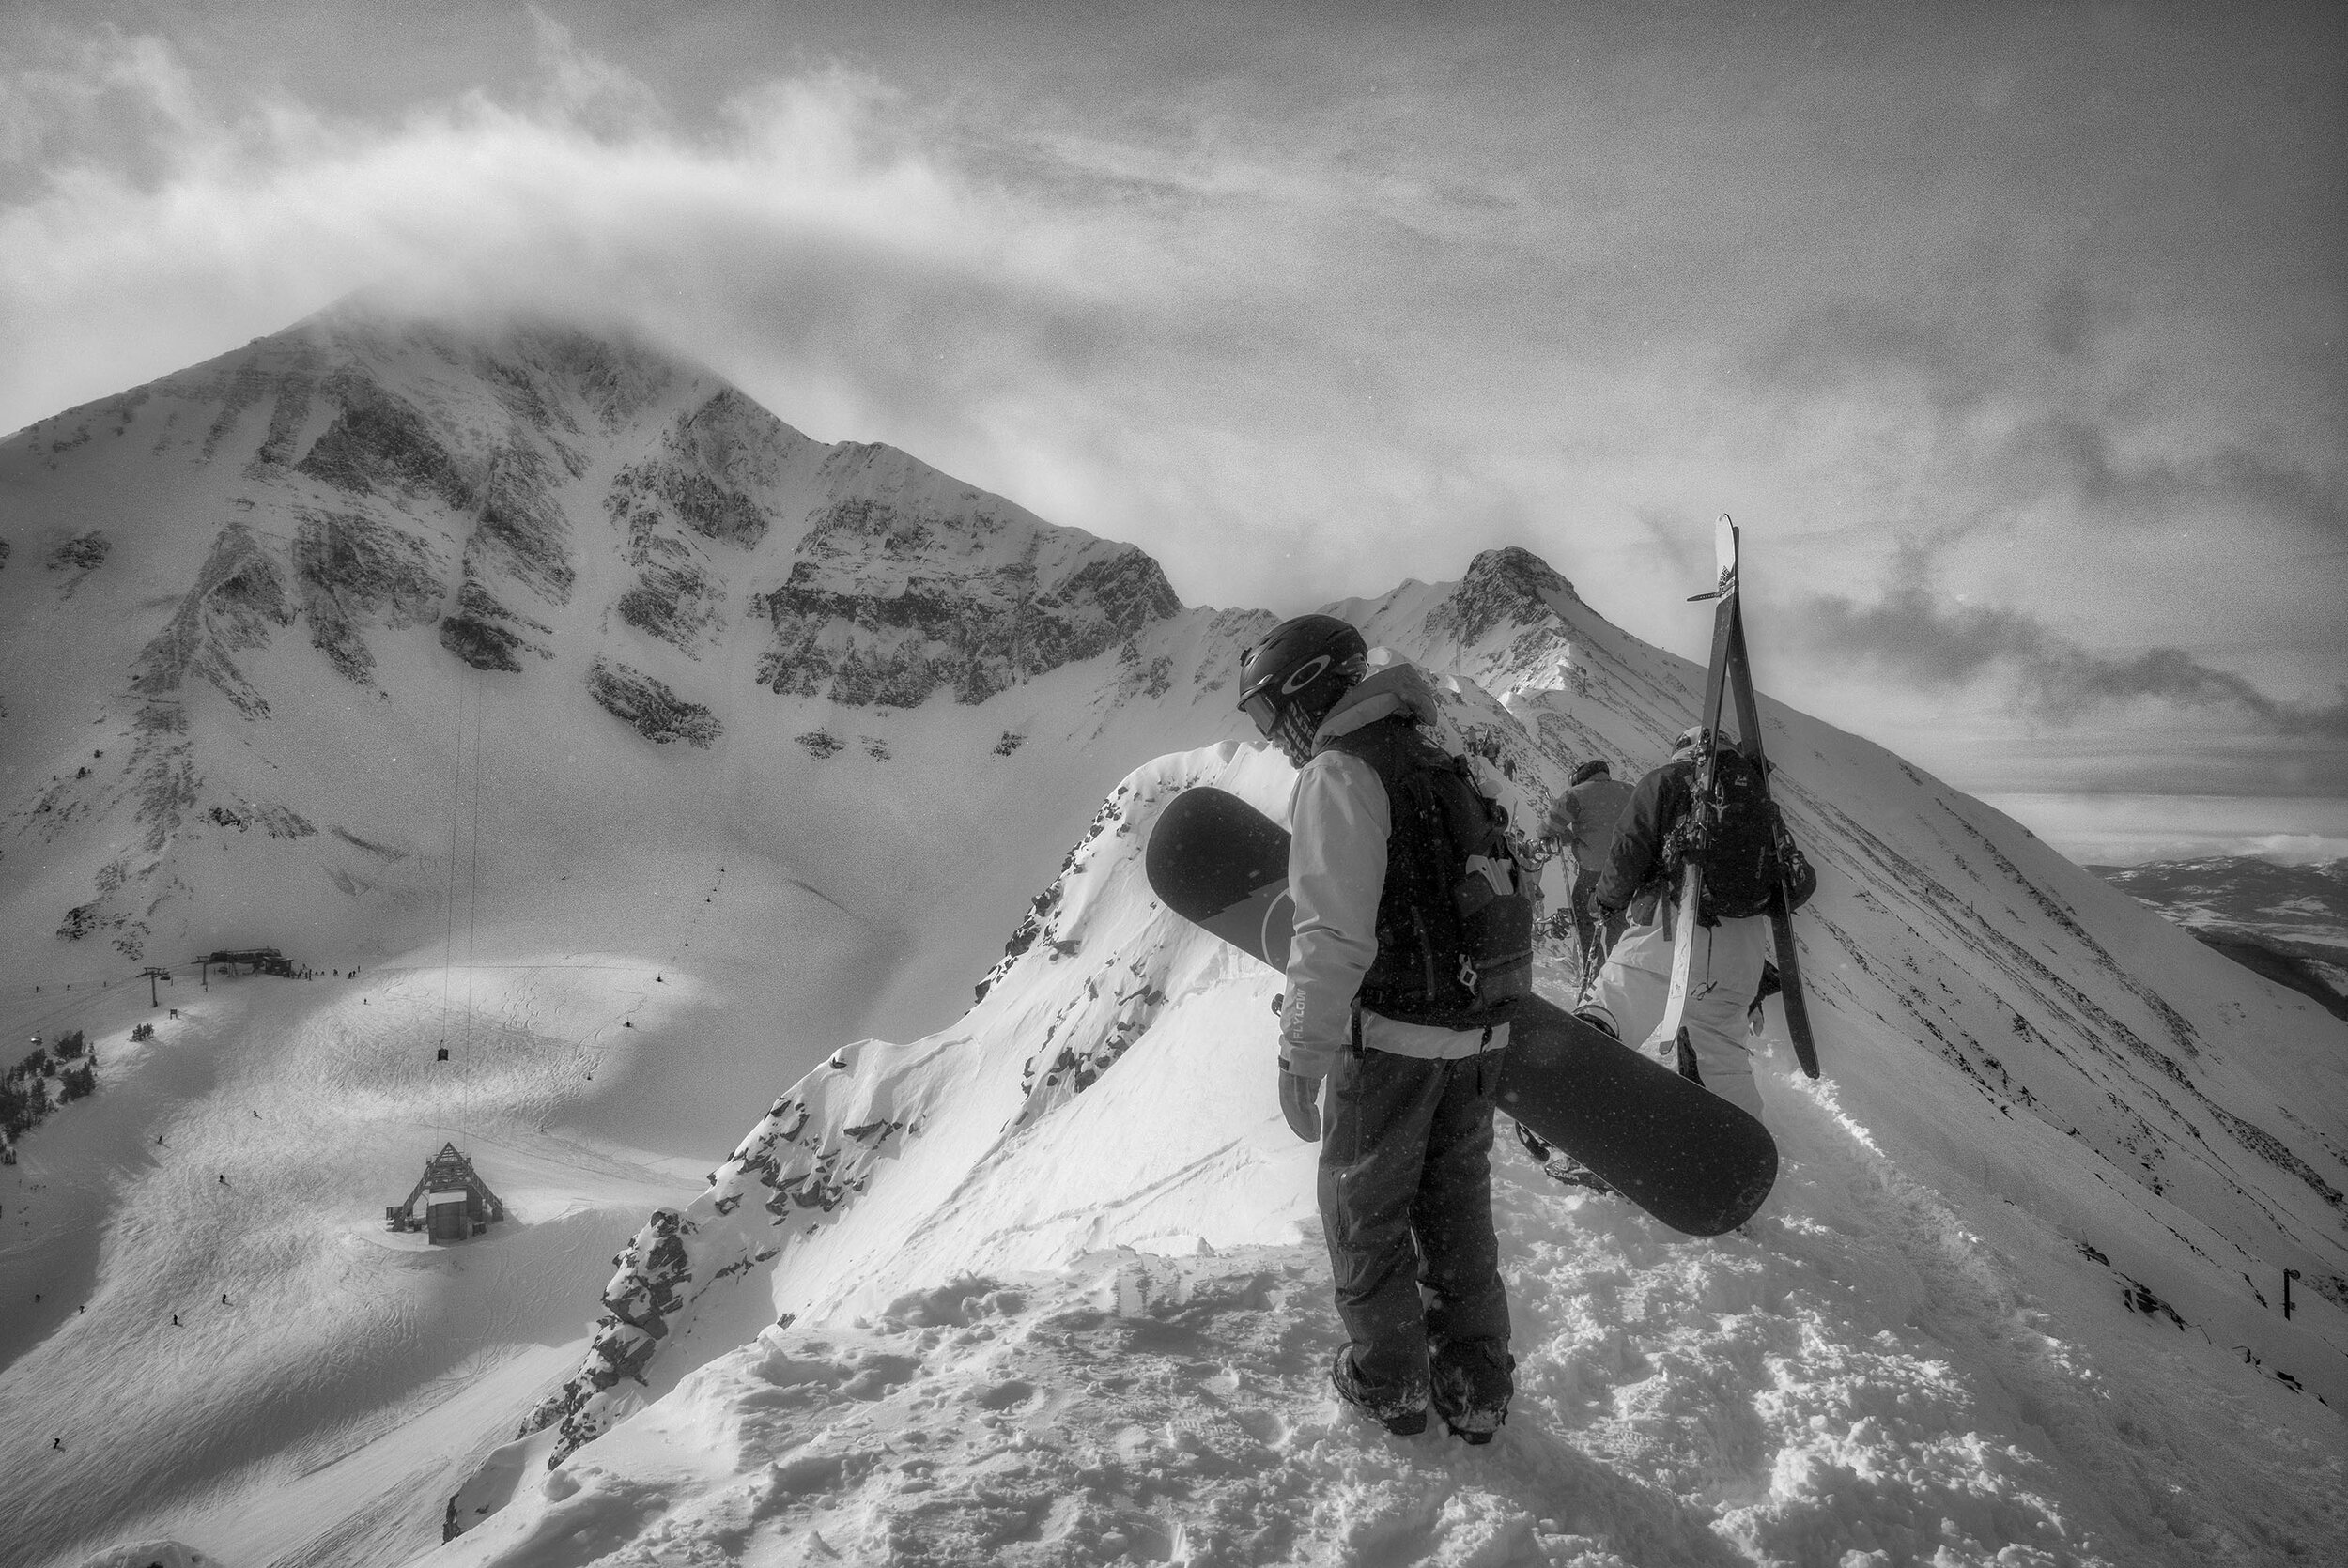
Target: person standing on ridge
1725,976
1391,846
1582,822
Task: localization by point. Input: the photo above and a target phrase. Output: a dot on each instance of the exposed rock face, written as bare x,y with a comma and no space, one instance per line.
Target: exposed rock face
798,1166
656,713
353,570
697,491
380,441
83,552
1501,588
522,533
697,480
482,633
676,604
886,605
237,601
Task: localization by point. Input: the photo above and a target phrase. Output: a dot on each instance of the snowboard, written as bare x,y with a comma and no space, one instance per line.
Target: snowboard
1683,1154
1729,676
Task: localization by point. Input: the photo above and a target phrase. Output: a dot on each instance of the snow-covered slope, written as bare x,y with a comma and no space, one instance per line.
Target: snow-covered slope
628,746
1045,1288
2105,1153
1043,1284
361,629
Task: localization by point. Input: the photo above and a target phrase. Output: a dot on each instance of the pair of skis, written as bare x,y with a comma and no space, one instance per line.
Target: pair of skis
1731,674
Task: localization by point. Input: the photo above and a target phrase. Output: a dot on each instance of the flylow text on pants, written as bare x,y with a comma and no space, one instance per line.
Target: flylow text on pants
1722,981
1406,1202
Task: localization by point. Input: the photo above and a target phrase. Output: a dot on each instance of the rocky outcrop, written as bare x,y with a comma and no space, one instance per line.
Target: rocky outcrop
695,500
796,1167
1502,588
380,442
239,601
710,461
676,604
83,552
522,533
484,633
351,571
654,711
885,606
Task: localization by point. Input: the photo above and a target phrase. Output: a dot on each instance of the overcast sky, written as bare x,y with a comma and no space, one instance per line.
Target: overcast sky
2012,334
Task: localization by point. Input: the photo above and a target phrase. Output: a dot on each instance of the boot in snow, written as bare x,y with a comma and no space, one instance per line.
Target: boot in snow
1471,1389
1402,1412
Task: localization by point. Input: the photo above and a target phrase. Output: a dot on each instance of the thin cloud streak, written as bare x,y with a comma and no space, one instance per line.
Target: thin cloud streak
1916,635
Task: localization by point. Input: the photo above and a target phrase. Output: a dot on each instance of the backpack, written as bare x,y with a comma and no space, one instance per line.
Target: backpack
1735,836
1455,919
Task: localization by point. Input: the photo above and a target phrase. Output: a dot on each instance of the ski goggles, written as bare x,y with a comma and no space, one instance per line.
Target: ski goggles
1259,707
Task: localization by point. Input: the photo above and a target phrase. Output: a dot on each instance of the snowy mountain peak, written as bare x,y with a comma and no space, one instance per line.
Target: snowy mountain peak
1510,587
307,545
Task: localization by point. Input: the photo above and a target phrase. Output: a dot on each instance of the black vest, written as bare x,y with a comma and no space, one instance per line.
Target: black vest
1422,937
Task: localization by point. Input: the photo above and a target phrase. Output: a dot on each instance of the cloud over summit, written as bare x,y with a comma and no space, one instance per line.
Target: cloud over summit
1305,305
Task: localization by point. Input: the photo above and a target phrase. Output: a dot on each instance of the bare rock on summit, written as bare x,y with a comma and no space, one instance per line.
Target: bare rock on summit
1502,587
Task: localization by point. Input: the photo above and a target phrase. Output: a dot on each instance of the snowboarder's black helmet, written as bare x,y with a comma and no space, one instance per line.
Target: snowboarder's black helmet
1289,681
1590,770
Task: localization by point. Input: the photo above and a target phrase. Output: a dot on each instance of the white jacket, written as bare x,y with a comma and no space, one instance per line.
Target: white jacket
1339,822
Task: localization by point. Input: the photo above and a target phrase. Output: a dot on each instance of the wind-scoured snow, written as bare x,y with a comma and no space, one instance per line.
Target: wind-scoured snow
554,704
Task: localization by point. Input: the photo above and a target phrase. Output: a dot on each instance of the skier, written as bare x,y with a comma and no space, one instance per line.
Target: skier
1725,976
1583,820
1405,1177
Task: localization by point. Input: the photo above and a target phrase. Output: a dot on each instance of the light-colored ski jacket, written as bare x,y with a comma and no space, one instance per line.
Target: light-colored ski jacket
1339,822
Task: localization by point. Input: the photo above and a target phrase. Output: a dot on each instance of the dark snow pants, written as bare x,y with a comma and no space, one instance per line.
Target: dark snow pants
1406,1201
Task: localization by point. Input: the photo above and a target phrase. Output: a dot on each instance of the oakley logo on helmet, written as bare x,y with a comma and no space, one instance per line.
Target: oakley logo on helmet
1303,675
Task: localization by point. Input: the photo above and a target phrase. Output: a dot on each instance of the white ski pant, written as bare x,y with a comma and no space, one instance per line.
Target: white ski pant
1723,979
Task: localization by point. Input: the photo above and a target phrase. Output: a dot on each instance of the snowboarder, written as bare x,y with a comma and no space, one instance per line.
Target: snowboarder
1405,1175
1583,820
1641,880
